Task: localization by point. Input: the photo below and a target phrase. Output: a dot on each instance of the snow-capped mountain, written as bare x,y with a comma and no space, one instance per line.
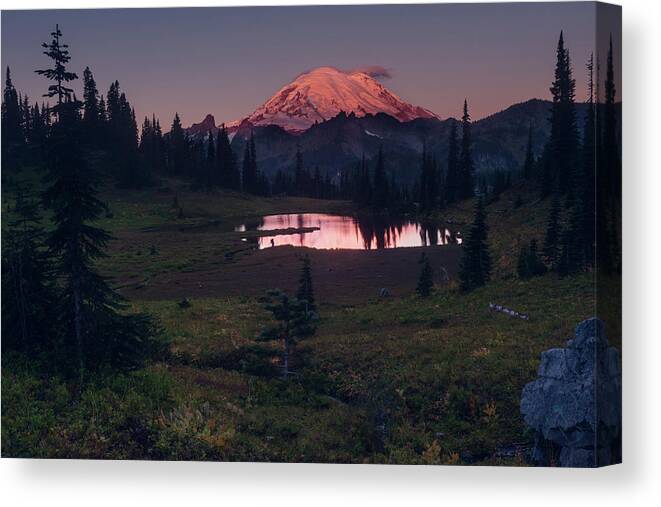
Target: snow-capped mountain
322,93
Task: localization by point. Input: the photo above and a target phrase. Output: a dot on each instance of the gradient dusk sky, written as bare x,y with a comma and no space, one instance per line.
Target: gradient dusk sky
228,61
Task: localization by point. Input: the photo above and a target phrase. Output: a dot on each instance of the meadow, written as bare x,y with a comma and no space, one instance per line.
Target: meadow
398,379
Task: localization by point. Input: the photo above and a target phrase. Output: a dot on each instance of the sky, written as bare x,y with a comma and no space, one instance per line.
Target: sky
228,61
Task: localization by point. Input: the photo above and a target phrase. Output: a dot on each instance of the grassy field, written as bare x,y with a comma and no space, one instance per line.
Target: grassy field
384,380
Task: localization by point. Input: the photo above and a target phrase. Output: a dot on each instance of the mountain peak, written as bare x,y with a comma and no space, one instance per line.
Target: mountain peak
206,125
322,93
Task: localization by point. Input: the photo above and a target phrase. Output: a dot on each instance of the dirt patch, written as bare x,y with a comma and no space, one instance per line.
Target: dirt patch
340,276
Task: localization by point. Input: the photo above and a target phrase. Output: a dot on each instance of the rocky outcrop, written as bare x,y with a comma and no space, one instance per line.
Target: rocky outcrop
575,404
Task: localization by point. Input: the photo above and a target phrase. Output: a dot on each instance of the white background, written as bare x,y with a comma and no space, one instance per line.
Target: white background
636,482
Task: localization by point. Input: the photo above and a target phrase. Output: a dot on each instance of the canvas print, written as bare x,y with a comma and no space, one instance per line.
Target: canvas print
385,234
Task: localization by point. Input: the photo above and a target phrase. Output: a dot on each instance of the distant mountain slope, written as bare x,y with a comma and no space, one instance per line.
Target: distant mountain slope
337,144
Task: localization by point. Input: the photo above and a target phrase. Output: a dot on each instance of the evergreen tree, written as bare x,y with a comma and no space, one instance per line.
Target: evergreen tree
91,114
452,176
59,53
475,268
299,172
39,126
563,142
426,277
151,145
364,184
294,321
586,203
246,175
429,186
258,182
211,165
229,176
530,263
113,107
11,114
122,140
609,183
93,329
177,149
25,113
103,114
381,194
27,280
552,237
572,251
305,290
466,182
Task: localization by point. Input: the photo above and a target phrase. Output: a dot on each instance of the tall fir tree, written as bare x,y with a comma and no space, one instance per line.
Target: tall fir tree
553,233
425,278
59,53
429,184
572,249
229,176
91,114
466,170
452,175
587,202
26,123
475,268
609,179
177,148
212,178
563,141
27,281
11,114
257,180
246,175
305,290
381,194
530,263
93,329
299,172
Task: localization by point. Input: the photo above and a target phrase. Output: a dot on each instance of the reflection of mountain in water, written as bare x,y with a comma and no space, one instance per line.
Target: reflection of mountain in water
322,231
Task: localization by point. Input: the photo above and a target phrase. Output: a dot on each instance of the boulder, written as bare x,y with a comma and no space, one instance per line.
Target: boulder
575,404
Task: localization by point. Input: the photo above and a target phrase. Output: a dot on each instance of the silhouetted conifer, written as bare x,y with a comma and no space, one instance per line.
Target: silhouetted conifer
92,328
177,149
305,290
466,170
563,142
426,277
381,197
91,114
452,175
27,281
552,237
530,263
11,114
475,269
294,321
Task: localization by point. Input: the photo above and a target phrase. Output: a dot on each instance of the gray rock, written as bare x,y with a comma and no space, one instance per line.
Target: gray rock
575,404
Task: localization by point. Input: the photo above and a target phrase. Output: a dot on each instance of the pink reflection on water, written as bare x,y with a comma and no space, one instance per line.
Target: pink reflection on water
347,232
